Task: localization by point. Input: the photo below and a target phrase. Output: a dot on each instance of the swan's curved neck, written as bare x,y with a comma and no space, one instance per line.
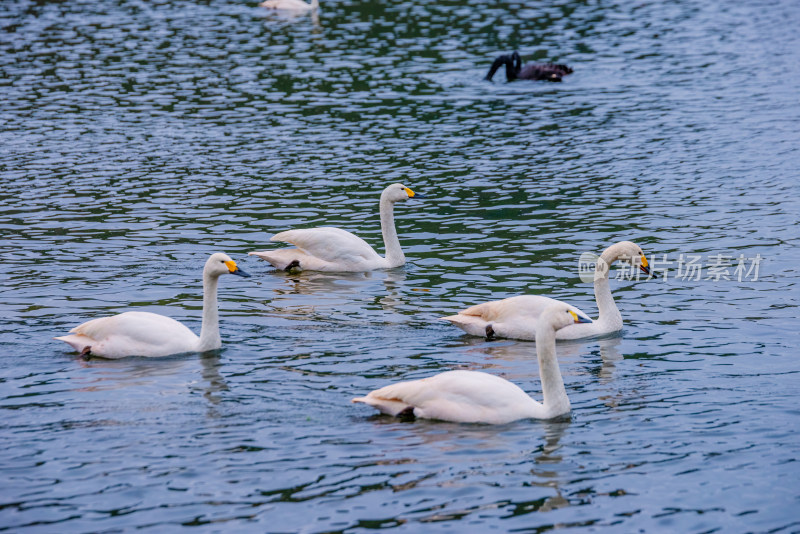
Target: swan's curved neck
608,311
314,4
209,332
512,64
555,400
394,254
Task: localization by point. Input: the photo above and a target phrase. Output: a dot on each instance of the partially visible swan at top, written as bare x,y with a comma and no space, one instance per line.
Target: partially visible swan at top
149,334
336,250
550,72
477,397
517,317
290,5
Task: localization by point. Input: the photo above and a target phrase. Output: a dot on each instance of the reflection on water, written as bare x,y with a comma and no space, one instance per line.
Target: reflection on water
515,359
127,373
162,376
308,283
322,296
610,354
213,384
139,137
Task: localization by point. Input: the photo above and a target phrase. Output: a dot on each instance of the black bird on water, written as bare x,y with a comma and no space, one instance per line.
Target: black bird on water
532,71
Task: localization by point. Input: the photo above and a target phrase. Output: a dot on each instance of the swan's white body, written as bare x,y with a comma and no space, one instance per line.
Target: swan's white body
476,397
517,317
150,334
336,250
290,5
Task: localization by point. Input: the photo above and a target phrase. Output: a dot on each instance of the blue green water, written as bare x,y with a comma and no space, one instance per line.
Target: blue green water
138,137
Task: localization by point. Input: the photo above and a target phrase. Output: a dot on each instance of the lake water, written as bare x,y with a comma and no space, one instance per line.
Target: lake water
139,137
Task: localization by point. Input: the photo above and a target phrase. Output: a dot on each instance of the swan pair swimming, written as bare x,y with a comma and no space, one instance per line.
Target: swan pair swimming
336,250
320,249
476,397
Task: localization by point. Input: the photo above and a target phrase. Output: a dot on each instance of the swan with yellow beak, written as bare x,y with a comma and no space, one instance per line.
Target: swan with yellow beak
517,317
336,250
149,334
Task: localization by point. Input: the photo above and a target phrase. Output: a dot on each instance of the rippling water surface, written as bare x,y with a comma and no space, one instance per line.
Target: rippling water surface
138,137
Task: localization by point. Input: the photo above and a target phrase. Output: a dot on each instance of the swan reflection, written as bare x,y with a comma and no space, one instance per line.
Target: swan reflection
311,293
158,377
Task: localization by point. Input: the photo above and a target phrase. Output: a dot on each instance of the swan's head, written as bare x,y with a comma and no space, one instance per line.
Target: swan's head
560,315
628,252
219,264
398,193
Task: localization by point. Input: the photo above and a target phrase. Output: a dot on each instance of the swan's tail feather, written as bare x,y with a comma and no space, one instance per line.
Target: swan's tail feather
294,259
563,68
388,406
470,324
280,259
77,342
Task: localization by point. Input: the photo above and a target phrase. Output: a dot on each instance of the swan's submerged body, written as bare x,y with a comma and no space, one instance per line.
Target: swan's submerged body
477,397
336,250
551,72
517,317
153,335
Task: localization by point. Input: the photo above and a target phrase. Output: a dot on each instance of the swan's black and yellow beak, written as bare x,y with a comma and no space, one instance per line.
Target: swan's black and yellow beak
579,318
412,194
645,268
234,269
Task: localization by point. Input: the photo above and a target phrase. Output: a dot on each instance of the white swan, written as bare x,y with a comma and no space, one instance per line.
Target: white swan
150,334
476,397
290,5
337,250
516,317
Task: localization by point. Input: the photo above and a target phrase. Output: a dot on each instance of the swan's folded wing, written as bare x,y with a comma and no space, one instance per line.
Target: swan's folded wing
143,326
329,244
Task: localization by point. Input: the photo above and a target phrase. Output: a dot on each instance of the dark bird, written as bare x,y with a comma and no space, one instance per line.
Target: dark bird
532,71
